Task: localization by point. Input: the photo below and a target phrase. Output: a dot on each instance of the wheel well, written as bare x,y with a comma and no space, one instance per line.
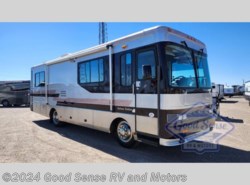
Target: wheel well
4,100
114,124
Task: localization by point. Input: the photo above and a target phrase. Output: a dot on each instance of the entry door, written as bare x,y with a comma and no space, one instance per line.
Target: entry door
38,90
146,91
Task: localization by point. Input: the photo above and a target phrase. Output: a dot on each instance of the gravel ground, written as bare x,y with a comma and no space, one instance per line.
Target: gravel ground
27,137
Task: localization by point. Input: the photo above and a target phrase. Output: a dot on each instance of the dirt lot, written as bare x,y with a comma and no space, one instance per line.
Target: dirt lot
29,137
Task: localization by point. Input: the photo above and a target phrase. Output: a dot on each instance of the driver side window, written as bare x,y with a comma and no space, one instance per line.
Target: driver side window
146,65
40,79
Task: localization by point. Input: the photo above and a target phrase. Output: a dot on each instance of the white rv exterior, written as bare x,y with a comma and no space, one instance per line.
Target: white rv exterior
155,85
247,91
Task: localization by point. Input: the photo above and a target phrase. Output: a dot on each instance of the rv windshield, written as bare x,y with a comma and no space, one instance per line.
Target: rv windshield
183,71
202,70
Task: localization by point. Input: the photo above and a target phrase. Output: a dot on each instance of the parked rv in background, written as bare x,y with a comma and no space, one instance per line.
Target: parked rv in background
14,93
247,91
238,89
144,87
242,90
218,91
234,90
218,95
228,91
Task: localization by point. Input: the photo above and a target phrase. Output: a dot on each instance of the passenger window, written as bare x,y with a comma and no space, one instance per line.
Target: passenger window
91,71
146,65
126,62
40,79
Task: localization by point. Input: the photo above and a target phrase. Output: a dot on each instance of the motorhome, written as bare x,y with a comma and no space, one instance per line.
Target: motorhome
14,93
247,91
147,87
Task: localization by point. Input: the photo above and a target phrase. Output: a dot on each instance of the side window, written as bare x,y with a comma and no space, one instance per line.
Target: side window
91,71
40,79
37,79
146,65
126,63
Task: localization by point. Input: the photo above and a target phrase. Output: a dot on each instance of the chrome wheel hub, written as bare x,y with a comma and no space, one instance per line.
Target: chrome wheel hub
124,132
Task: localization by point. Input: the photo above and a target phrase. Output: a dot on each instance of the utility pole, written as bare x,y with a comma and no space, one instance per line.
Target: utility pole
103,33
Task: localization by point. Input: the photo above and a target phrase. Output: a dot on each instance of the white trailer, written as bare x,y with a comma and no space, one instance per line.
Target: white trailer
238,89
247,91
218,91
218,95
229,91
159,79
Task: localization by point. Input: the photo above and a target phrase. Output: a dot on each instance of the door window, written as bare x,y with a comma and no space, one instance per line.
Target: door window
146,72
146,65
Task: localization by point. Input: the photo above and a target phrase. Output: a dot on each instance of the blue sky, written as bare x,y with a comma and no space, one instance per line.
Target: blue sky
23,45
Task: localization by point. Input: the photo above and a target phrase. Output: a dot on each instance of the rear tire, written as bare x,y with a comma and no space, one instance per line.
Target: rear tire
124,134
55,119
5,103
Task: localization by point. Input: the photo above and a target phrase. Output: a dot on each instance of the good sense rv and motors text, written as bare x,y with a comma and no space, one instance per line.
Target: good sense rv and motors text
113,177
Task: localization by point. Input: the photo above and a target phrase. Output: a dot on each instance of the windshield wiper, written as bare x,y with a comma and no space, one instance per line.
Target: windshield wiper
185,44
201,52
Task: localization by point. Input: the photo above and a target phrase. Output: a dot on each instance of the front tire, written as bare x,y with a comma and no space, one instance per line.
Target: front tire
124,134
54,118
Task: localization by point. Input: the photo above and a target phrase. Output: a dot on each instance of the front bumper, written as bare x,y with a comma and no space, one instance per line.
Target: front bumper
180,141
